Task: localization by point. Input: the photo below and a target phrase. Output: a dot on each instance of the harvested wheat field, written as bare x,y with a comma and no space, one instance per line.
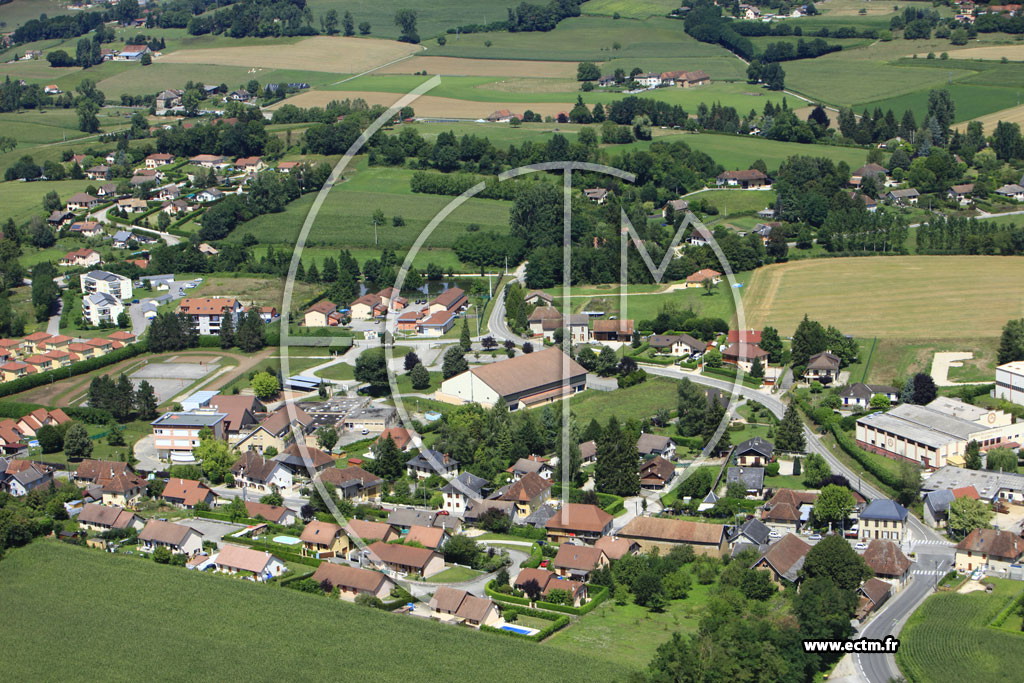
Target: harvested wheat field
1014,53
911,297
426,105
457,66
989,121
323,53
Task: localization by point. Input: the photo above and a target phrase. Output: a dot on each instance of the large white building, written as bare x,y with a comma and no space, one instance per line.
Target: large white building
524,381
936,434
101,308
209,312
1010,382
102,282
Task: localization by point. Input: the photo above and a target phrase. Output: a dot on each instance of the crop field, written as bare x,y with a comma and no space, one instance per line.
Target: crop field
346,217
1011,51
23,200
989,121
219,610
322,53
947,638
252,289
434,19
455,66
630,9
981,102
430,105
53,125
910,297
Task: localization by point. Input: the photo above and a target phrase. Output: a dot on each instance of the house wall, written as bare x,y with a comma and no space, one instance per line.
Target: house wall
968,561
466,388
871,529
434,565
315,319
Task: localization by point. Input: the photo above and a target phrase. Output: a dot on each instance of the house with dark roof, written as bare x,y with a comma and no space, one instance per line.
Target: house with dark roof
279,429
754,452
752,479
649,445
352,582
405,518
743,355
859,395
523,466
613,330
578,561
993,549
178,538
823,367
746,179
784,559
107,517
903,197
588,452
241,414
252,470
888,562
476,508
22,476
549,581
871,596
676,344
656,473
753,531
427,463
883,519
353,483
452,300
528,493
458,493
936,507
663,533
300,460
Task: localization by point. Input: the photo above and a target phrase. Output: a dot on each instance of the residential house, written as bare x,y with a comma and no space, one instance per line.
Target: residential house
888,562
59,217
83,257
12,442
588,452
658,532
121,239
701,276
405,560
431,537
452,299
208,195
167,193
906,197
107,190
288,166
86,229
101,308
578,561
501,116
40,363
548,581
649,445
656,473
746,179
753,533
677,206
752,479
255,471
124,489
961,193
476,508
251,165
936,503
323,540
874,171
884,519
613,330
536,297
176,207
784,559
700,237
133,205
743,356
859,395
372,531
176,435
23,476
578,520
14,369
353,483
460,491
616,548
241,414
209,161
1012,191
544,320
352,582
300,460
272,513
209,312
35,342
178,538
30,423
427,463
319,314
754,452
132,53
823,367
991,549
676,344
159,158
279,429
98,173
598,195
436,325
538,465
406,518
869,203
457,606
871,595
261,565
187,493
528,493
106,518
268,314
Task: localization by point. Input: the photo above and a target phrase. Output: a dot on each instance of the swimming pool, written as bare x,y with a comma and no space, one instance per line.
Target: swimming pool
517,629
287,540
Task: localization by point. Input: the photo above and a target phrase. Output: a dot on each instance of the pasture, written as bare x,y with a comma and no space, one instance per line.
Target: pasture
219,609
630,9
909,297
23,200
433,20
948,639
321,53
729,202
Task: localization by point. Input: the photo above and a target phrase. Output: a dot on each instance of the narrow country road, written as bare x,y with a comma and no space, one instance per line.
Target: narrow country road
496,323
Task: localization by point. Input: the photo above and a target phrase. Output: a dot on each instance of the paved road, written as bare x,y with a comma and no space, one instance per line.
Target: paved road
932,549
496,323
53,324
475,586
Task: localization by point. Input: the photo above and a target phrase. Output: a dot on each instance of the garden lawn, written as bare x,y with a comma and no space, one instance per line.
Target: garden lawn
785,481
947,638
639,401
219,610
455,575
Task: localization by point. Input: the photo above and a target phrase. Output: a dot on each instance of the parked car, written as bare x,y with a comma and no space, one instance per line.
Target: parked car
861,546
774,534
977,574
814,537
852,531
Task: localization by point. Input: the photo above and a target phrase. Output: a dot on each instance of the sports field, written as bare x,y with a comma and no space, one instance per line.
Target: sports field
911,297
115,596
321,53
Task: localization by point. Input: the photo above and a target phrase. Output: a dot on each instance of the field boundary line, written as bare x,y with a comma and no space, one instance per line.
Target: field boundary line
381,66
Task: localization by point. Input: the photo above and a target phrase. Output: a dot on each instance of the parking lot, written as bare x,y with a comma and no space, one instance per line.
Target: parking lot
169,378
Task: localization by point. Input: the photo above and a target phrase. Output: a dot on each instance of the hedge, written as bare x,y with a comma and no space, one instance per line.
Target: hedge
558,624
596,600
503,597
730,375
608,502
80,368
14,409
296,577
95,416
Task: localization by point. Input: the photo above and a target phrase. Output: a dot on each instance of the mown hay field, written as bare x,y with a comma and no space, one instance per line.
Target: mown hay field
911,297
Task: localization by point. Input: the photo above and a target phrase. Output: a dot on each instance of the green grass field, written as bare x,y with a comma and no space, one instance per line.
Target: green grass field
178,632
346,217
23,200
738,152
639,401
948,639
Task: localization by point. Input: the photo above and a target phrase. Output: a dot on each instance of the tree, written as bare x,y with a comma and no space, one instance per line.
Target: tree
713,358
88,121
692,406
371,368
790,435
273,498
532,589
645,587
348,24
454,362
833,505
123,320
773,76
410,361
236,509
677,585
77,444
879,402
50,439
405,20
920,389
162,555
908,487
251,334
464,338
264,385
824,610
227,332
461,550
420,377
388,462
772,344
967,514
972,455
329,22
816,470
123,399
587,71
215,456
145,401
364,28
607,362
835,559
757,369
1001,459
326,438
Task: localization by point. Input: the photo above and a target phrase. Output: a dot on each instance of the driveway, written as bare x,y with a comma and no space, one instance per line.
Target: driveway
145,453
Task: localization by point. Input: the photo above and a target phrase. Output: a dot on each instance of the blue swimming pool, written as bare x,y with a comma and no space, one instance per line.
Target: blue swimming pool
287,540
516,629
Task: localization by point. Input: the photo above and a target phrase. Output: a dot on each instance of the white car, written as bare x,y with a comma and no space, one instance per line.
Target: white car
977,574
774,534
814,537
861,546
